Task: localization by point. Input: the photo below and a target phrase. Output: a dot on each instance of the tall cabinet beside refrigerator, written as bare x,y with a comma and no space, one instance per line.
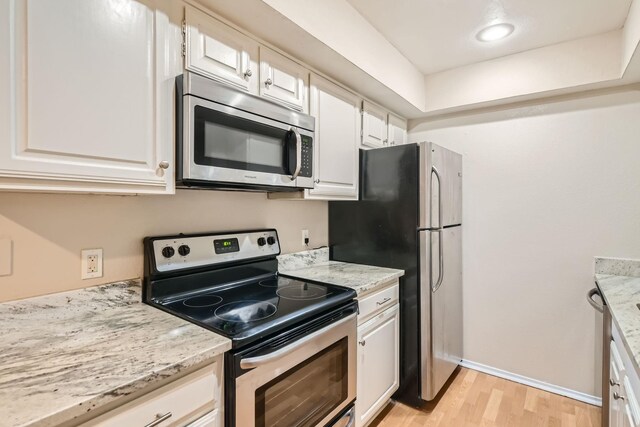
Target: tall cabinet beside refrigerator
409,216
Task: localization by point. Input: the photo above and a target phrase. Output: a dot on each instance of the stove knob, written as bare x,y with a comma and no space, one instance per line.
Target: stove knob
261,241
184,250
271,240
168,252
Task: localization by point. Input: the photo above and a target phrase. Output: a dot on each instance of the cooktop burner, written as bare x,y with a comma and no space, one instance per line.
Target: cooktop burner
245,311
206,300
302,291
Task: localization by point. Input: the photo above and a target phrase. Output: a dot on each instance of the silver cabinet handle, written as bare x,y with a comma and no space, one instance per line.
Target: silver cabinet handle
254,362
613,383
248,73
298,153
594,304
159,419
317,181
617,396
362,343
268,82
163,164
384,301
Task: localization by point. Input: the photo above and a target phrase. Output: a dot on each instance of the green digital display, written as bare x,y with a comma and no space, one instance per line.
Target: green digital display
223,246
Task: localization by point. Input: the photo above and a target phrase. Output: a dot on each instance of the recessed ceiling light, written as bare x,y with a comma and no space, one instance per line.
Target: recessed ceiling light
495,32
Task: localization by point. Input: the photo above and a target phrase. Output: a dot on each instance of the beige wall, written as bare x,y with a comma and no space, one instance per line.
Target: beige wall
546,188
49,230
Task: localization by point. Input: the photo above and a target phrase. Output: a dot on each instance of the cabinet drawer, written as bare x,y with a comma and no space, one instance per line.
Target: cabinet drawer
212,419
372,304
184,399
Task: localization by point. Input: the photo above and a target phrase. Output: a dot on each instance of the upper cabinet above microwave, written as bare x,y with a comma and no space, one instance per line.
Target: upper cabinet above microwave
216,50
86,96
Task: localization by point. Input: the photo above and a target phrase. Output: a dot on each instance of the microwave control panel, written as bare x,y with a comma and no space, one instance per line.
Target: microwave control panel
307,156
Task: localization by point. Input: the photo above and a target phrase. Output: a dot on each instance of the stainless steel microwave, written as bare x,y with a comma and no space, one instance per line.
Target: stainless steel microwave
226,138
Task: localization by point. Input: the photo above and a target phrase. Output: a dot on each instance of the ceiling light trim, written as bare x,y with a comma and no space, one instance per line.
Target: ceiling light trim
495,32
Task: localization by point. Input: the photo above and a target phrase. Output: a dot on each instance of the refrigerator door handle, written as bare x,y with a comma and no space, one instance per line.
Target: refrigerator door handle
434,171
436,286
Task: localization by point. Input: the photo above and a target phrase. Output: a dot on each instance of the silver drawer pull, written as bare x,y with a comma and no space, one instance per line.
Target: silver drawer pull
362,343
163,164
613,383
617,396
384,301
159,419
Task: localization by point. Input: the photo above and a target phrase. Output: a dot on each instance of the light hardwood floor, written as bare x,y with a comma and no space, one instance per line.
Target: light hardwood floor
476,399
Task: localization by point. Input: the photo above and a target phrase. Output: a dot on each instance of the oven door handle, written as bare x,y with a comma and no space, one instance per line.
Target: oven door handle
254,362
296,172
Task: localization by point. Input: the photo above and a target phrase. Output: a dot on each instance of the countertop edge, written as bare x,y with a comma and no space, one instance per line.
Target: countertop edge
623,333
71,413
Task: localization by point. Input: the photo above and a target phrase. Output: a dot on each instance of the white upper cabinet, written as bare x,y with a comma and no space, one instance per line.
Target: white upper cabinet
335,155
86,96
283,80
374,125
397,130
220,52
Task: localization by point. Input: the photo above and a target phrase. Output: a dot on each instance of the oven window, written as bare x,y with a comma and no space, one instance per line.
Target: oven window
307,393
228,141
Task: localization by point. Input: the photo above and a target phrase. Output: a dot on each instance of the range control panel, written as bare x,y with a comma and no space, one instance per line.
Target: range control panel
185,251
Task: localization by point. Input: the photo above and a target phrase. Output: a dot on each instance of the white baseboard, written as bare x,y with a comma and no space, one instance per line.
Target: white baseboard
576,395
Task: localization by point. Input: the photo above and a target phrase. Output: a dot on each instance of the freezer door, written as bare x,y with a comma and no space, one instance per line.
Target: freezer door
440,186
440,307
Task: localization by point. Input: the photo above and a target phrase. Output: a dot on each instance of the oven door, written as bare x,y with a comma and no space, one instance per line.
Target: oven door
225,145
305,383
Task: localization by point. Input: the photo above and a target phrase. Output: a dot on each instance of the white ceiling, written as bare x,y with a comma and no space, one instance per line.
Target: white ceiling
437,35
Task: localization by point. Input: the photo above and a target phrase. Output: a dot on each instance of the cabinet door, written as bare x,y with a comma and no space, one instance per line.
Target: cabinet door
378,364
283,80
220,52
631,408
335,154
616,375
397,130
86,96
374,126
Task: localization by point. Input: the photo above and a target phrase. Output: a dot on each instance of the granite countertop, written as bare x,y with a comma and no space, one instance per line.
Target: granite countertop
619,281
67,354
315,265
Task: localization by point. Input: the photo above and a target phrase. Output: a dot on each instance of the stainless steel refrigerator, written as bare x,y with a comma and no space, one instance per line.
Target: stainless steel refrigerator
409,216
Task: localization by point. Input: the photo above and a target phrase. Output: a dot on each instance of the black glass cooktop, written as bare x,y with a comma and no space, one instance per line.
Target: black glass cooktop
251,310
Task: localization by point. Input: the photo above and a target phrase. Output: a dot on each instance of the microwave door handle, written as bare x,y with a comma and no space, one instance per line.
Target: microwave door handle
296,172
254,362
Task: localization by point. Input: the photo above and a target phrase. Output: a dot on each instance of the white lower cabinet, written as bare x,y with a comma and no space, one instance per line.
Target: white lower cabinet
194,400
86,96
624,408
378,358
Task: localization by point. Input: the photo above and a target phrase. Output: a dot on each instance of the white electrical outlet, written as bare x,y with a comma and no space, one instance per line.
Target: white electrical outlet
305,238
6,257
91,263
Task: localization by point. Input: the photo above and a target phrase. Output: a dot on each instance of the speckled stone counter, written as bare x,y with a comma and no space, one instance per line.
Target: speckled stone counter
619,281
67,354
315,265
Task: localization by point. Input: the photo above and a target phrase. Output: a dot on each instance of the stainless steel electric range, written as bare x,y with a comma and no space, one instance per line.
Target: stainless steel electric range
293,355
